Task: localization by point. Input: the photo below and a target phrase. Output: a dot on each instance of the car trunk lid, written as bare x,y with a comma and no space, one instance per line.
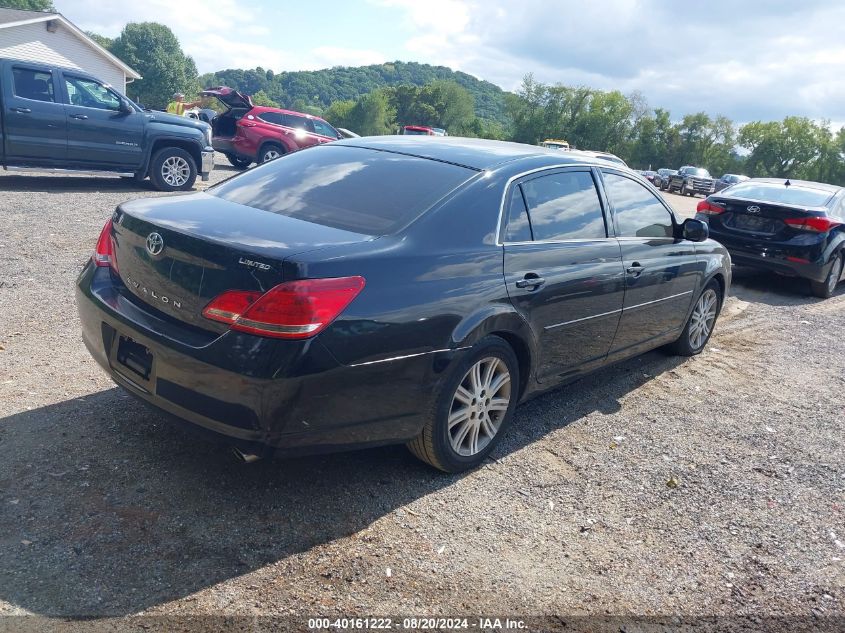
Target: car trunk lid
761,219
229,97
176,254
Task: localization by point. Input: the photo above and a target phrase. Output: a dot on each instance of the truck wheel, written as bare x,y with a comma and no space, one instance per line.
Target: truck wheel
684,191
173,169
269,152
826,288
240,163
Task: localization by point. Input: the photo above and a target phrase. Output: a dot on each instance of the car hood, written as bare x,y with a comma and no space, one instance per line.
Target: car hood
183,121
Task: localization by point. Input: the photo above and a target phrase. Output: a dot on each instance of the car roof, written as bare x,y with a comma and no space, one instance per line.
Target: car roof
475,153
807,184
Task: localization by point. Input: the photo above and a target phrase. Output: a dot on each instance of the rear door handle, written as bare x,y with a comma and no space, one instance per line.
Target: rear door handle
635,269
531,280
81,117
22,110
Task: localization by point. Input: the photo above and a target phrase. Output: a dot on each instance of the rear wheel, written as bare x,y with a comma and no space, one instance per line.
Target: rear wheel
701,322
173,169
473,408
240,163
826,288
269,152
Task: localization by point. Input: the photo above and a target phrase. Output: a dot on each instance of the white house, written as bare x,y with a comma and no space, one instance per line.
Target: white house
52,39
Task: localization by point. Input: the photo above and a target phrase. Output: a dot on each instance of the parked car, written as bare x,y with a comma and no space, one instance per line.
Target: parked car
347,133
248,134
553,143
613,158
794,228
390,290
661,180
729,179
55,118
648,174
416,130
439,131
691,180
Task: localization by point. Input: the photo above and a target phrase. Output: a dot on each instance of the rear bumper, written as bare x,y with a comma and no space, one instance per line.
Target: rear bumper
807,259
265,396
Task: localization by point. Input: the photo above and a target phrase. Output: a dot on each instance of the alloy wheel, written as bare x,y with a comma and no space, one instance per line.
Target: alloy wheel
835,274
702,319
479,406
271,154
175,171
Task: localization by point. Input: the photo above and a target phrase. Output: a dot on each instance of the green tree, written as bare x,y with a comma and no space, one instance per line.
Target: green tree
102,40
28,5
783,149
260,98
373,115
153,50
340,114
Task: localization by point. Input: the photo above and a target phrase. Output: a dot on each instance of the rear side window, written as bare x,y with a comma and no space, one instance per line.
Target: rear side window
518,225
33,84
271,117
350,188
564,206
638,212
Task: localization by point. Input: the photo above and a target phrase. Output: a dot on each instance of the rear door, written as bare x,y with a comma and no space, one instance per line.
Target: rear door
661,272
99,132
562,270
34,120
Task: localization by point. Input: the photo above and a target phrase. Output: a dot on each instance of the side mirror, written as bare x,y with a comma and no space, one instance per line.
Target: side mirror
695,230
126,107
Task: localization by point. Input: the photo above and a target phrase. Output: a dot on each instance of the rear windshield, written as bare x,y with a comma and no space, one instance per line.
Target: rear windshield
771,192
350,188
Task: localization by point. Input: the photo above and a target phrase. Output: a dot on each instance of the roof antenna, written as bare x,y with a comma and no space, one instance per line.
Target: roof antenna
787,183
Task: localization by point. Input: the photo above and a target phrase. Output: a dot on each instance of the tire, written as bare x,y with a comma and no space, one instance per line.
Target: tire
464,397
239,163
826,288
270,151
683,189
698,331
173,169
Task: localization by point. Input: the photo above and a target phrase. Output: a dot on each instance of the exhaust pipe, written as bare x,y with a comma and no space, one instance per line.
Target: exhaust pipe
246,458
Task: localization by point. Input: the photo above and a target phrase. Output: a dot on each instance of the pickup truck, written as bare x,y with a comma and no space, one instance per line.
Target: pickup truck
691,180
67,121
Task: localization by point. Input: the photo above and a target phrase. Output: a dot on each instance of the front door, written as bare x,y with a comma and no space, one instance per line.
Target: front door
101,135
661,272
562,271
36,133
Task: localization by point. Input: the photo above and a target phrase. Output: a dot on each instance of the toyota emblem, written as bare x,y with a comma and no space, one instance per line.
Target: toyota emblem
753,209
155,244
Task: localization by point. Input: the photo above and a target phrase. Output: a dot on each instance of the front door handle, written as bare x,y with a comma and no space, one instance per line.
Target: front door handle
635,269
22,110
81,117
531,280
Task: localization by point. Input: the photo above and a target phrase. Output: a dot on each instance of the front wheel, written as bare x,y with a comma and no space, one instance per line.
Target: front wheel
173,169
474,406
683,190
701,322
826,288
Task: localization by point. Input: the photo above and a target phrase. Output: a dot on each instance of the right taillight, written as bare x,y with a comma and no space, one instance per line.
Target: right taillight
104,252
706,207
815,224
293,310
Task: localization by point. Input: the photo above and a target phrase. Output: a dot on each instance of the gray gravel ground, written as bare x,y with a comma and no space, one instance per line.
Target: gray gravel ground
710,486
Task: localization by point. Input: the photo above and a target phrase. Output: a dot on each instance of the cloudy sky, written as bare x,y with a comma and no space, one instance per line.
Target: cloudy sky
747,59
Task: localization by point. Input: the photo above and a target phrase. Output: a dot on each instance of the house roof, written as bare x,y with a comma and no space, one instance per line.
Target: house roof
19,17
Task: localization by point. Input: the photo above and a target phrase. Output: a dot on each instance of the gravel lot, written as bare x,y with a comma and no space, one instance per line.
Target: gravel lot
710,486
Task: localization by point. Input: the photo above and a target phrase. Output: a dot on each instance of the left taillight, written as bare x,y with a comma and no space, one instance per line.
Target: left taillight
292,310
104,252
814,224
705,207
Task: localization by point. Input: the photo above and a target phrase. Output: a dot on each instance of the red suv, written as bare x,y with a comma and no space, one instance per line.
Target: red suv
248,134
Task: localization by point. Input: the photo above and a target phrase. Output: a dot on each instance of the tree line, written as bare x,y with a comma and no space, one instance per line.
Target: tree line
378,99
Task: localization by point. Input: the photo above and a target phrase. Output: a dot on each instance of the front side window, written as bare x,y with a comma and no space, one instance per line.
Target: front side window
91,94
323,128
297,122
564,206
33,84
638,211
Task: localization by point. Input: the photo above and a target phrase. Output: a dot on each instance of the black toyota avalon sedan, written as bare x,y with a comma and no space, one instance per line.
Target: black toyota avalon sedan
795,228
392,290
